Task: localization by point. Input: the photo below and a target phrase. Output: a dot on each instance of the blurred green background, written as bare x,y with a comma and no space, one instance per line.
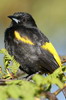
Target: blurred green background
50,16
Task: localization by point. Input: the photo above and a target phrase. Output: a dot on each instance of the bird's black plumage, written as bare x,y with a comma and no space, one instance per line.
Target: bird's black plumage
26,46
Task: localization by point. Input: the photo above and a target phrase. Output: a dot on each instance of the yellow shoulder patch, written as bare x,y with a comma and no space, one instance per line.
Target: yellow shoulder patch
24,39
48,46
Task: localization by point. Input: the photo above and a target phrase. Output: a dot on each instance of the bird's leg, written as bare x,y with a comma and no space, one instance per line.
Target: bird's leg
29,77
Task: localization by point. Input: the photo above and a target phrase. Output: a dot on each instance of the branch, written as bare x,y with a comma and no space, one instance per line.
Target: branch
50,96
59,90
63,59
2,82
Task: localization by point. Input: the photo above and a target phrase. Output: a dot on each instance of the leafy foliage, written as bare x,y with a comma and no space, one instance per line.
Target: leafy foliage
27,90
10,64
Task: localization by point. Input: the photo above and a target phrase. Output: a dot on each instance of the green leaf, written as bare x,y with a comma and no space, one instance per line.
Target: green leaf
8,60
28,90
14,91
24,89
3,95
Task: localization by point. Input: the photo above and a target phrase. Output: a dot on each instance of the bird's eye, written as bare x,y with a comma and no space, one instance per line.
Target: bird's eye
23,20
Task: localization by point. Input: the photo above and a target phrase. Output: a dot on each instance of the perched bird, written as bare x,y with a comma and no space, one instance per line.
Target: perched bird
29,46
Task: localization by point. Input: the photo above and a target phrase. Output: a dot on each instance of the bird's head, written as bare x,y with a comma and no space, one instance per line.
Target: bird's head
22,18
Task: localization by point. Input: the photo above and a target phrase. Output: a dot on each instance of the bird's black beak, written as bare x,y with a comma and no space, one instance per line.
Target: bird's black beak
11,17
14,18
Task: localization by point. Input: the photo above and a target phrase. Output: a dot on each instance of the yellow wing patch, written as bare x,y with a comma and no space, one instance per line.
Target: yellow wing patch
23,39
48,46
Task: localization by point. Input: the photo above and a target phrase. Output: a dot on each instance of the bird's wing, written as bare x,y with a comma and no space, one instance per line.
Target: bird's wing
50,48
35,37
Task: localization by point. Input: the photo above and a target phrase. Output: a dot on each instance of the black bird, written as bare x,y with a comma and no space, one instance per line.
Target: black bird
29,46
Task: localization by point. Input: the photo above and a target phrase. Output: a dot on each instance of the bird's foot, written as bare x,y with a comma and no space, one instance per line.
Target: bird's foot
29,77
